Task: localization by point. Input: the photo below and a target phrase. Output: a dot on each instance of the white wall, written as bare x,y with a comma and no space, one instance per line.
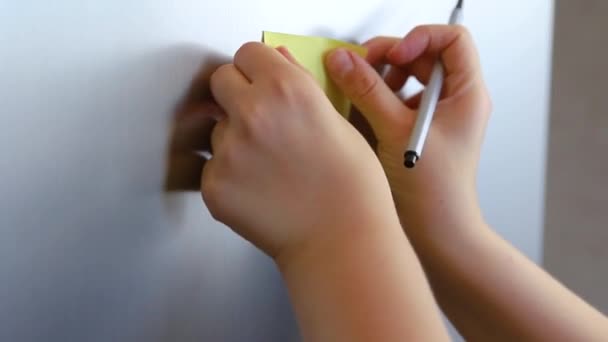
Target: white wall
92,249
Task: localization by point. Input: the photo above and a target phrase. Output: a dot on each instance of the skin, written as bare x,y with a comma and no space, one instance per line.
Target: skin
488,289
278,179
293,177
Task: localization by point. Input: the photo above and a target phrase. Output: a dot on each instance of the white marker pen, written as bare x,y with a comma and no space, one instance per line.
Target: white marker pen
428,103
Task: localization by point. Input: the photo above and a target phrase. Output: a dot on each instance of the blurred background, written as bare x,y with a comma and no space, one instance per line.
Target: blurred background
576,221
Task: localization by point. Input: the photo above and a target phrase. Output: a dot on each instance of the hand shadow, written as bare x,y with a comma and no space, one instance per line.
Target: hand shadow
193,121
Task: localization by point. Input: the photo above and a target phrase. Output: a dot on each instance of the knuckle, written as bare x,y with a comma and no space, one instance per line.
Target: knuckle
425,31
256,121
461,31
440,33
225,68
249,46
364,84
280,91
250,110
307,73
212,193
219,74
483,104
281,86
421,29
245,50
463,34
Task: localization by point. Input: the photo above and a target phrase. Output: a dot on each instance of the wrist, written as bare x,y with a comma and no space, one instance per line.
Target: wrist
440,218
445,234
338,239
340,285
357,287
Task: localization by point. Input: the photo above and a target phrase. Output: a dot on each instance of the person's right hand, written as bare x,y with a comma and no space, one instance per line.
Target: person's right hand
440,192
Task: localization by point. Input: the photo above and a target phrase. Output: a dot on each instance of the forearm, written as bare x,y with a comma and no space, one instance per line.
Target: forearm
364,287
492,291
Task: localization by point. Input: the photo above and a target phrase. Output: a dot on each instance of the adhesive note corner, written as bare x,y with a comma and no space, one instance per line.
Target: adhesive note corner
310,53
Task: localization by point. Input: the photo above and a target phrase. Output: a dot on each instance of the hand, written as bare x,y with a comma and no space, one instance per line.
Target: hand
483,284
441,190
288,170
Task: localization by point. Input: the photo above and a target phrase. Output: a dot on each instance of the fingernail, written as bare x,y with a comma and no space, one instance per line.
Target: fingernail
339,62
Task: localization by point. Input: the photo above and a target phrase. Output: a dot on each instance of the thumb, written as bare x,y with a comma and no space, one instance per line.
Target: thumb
365,87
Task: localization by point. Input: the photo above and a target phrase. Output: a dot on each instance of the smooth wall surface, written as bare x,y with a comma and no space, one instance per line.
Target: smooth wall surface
576,230
92,248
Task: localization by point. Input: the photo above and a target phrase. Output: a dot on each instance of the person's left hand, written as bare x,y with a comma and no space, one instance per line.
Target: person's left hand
288,171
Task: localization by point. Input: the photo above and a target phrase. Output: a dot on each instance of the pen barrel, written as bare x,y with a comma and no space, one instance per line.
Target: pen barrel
456,17
428,104
426,111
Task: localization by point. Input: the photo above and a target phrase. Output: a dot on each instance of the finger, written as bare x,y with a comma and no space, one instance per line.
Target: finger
367,90
192,131
452,42
257,60
285,52
218,135
396,77
422,68
210,186
227,84
378,47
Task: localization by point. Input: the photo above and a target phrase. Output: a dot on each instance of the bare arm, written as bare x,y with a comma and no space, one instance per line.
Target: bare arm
487,288
363,287
294,178
491,291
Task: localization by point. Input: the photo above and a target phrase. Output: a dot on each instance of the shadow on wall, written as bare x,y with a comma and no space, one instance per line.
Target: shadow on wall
192,124
89,249
219,287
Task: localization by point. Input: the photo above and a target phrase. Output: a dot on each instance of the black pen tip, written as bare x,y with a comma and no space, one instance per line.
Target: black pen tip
460,4
410,159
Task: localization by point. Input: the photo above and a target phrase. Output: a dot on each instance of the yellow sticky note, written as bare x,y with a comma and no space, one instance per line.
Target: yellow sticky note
310,52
